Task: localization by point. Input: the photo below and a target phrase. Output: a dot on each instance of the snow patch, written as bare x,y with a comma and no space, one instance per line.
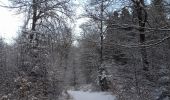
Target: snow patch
81,95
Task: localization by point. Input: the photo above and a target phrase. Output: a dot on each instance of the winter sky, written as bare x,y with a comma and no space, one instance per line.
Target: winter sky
10,23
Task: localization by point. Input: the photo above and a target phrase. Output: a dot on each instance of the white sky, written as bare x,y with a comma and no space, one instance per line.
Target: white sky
79,21
9,23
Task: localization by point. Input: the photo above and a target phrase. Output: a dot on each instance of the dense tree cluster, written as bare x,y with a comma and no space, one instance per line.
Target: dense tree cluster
135,48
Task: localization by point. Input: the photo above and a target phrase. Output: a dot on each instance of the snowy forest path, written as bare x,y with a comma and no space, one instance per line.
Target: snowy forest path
81,95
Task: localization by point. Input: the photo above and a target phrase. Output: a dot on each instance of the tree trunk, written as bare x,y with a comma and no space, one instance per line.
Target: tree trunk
34,18
142,17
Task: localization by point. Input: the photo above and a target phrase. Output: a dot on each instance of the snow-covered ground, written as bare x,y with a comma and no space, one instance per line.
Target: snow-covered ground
81,95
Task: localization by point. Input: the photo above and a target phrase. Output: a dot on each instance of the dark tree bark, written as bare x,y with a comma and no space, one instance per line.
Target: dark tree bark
34,18
142,18
101,34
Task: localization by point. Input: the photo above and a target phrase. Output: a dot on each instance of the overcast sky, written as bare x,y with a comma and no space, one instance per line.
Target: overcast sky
10,23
